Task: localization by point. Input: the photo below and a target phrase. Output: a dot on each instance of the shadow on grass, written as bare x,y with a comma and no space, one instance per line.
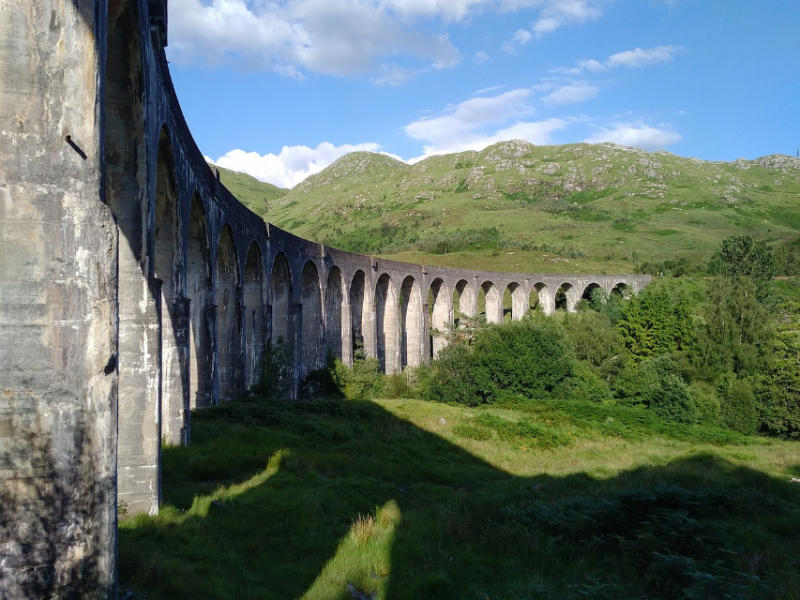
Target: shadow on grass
343,500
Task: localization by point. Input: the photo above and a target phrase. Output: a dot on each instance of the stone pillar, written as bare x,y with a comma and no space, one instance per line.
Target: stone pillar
58,332
139,382
174,369
347,333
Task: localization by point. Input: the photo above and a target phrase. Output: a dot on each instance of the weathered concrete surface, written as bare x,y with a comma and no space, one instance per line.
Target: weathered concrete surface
58,246
134,287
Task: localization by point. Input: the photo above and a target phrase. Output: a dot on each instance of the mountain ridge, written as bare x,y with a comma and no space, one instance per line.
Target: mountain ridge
517,206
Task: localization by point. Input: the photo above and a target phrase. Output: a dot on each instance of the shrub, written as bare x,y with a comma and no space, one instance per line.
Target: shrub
656,384
361,382
596,341
584,385
529,358
778,393
738,406
276,372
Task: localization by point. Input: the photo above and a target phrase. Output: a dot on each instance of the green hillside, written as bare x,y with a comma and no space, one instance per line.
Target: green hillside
572,208
256,195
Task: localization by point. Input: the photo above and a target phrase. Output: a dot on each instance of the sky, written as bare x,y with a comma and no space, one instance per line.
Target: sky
280,89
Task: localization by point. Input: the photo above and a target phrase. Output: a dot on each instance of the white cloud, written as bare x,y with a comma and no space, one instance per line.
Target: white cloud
471,115
480,57
478,122
394,75
639,57
334,37
637,134
292,165
343,37
521,38
556,13
572,93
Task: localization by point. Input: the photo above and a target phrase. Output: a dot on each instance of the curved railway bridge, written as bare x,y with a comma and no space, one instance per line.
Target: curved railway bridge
134,287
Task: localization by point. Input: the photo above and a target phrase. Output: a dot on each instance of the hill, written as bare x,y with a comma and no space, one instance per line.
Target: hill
571,208
256,195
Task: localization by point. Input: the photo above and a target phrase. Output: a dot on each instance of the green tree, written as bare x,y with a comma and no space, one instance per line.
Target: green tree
778,393
741,256
737,333
656,322
596,341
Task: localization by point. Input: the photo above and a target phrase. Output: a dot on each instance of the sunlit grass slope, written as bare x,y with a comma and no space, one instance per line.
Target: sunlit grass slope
256,195
571,208
407,499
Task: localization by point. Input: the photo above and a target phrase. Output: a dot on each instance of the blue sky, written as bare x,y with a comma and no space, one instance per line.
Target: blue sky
281,88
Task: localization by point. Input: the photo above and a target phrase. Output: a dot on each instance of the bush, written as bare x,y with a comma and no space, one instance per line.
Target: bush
656,384
321,383
738,406
584,385
596,341
275,381
529,358
361,382
778,393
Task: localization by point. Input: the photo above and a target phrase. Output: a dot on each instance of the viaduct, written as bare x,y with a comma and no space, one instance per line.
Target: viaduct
134,287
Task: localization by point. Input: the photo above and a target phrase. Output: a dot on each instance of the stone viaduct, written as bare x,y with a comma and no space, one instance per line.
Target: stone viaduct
134,287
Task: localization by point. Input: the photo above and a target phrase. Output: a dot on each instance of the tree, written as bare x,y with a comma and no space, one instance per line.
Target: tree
737,334
741,256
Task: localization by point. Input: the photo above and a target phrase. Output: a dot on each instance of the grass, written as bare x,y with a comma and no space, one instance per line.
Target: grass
406,499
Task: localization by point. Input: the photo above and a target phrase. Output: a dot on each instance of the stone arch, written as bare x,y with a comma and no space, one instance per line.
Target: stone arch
440,315
465,301
334,314
387,325
226,299
412,347
281,293
590,290
198,289
254,314
167,265
622,289
566,297
361,317
312,323
542,297
493,302
518,302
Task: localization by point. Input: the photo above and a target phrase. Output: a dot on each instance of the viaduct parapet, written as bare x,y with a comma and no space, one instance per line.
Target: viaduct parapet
134,287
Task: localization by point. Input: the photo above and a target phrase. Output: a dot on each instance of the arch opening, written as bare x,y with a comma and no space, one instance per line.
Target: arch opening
412,348
541,299
226,299
334,313
280,297
387,325
167,270
254,313
198,286
465,302
312,323
566,297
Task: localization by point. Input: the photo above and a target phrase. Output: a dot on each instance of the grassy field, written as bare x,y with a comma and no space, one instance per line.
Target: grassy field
337,500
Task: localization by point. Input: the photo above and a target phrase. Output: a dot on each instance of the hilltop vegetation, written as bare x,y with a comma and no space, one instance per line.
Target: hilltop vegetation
256,195
572,208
